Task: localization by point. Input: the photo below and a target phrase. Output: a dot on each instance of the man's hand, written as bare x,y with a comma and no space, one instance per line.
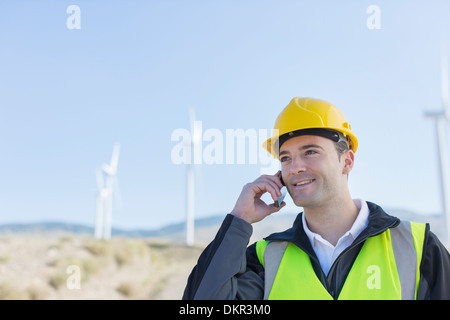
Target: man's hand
249,205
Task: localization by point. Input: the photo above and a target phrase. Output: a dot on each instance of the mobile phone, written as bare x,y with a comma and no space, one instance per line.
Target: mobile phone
283,191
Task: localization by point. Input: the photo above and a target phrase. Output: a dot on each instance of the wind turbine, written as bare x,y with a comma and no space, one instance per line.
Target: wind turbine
442,117
102,195
190,179
105,195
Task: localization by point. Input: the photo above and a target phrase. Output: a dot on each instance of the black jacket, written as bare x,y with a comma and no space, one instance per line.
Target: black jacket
227,269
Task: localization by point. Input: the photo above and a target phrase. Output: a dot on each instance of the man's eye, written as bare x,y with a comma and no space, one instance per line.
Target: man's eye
283,159
310,152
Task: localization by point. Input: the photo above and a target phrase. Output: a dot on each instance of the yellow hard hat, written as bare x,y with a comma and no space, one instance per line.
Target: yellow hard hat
309,113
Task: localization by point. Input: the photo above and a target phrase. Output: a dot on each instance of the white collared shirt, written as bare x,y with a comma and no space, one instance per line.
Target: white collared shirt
325,251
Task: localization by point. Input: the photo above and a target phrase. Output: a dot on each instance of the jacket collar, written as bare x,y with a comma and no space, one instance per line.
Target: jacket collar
379,221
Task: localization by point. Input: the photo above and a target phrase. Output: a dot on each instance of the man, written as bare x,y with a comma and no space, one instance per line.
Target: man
338,248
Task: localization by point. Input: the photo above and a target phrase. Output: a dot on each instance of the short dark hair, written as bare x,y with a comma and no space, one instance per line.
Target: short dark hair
340,141
342,145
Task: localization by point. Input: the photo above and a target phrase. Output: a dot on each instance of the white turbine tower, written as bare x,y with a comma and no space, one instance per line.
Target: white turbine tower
102,195
190,179
107,188
442,117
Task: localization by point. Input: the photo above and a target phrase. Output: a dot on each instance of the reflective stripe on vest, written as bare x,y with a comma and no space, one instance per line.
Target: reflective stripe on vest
387,267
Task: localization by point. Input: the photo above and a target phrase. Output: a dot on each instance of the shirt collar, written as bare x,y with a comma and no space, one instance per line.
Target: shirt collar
358,226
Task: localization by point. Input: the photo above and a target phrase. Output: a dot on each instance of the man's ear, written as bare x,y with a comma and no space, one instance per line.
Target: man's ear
349,161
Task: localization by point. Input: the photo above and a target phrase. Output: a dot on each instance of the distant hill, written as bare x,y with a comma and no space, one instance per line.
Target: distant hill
205,228
43,227
52,226
39,227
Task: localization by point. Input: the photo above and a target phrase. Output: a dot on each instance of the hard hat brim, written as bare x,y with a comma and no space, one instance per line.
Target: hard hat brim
272,145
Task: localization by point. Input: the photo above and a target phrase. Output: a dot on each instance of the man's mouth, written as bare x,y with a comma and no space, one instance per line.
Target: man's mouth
304,182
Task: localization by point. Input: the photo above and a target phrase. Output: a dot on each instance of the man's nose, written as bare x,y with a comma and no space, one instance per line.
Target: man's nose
297,166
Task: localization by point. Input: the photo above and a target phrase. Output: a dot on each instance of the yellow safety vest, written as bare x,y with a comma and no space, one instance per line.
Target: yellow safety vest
387,267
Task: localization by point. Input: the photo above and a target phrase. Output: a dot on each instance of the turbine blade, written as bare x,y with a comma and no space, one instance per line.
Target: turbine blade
107,169
115,157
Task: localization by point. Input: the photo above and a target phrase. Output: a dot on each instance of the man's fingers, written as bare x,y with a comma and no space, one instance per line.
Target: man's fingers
275,179
250,207
274,208
278,179
268,186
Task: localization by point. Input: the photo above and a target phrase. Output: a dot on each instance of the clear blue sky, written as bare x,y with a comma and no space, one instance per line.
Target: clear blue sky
134,68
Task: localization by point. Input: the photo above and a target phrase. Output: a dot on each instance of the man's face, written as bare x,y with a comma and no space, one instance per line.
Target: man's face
312,171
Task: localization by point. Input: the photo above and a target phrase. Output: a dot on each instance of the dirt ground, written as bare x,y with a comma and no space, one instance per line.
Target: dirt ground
68,266
60,265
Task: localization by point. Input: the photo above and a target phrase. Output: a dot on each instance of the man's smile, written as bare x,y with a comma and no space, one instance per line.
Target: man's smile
303,183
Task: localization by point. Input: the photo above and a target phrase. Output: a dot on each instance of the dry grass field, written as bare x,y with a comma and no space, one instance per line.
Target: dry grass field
69,266
62,265
45,265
